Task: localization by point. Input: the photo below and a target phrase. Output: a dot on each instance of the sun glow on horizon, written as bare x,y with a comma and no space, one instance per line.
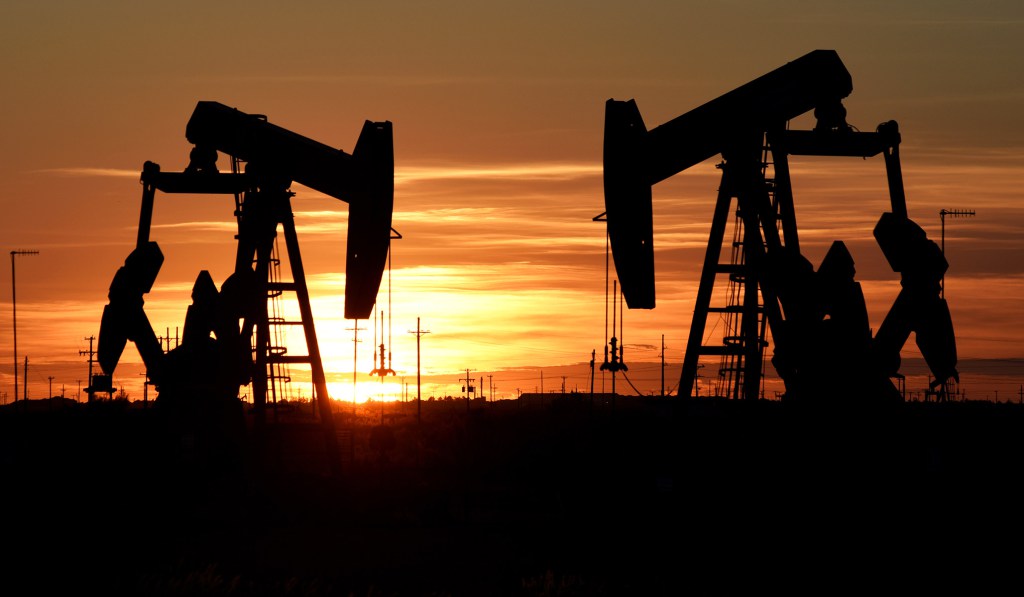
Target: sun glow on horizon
384,390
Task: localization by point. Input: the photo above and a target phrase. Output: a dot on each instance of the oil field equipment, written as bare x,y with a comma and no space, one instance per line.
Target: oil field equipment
817,318
226,342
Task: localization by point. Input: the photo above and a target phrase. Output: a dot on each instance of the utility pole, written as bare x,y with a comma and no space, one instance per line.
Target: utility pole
467,388
50,378
355,368
663,365
419,403
490,387
91,353
14,316
953,213
593,358
24,385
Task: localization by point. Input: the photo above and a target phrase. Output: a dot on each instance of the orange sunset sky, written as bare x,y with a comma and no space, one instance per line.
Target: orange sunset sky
498,111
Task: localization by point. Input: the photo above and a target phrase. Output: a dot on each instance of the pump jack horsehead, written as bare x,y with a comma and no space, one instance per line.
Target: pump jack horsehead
818,319
226,339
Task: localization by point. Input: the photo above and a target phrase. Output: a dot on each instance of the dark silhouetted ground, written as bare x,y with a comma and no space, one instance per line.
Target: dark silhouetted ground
552,496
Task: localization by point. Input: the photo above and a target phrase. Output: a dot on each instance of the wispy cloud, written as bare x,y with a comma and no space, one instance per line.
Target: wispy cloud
375,80
412,174
199,226
86,171
975,22
525,171
974,99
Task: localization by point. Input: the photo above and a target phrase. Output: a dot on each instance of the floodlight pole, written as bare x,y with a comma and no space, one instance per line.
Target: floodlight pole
942,216
14,314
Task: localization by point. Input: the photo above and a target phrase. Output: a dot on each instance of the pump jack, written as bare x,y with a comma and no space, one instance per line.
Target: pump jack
818,319
226,338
